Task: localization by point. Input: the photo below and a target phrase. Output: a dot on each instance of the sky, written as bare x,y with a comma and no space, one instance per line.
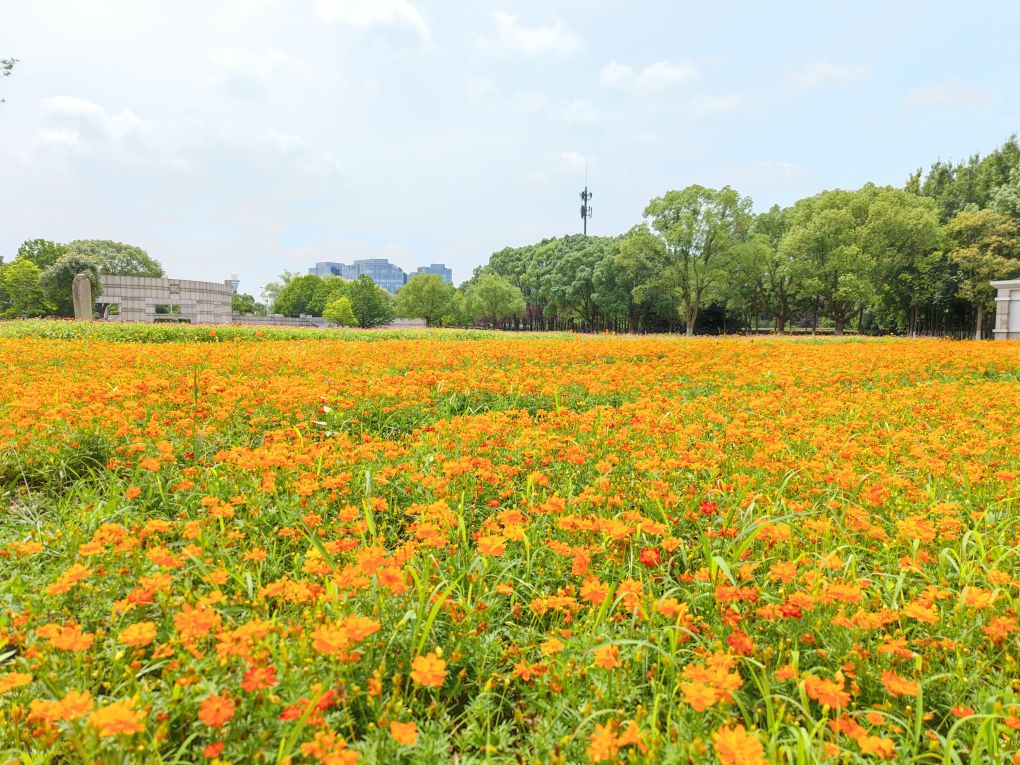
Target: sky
253,136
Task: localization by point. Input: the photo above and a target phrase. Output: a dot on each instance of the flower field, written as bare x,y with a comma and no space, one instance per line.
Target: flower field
474,548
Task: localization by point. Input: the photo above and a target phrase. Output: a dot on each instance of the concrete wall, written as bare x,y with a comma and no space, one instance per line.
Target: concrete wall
138,296
276,320
1007,310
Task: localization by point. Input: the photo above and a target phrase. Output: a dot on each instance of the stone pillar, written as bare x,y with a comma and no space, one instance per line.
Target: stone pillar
81,293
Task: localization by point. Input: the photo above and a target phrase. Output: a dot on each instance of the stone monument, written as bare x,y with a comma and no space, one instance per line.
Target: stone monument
1007,309
81,293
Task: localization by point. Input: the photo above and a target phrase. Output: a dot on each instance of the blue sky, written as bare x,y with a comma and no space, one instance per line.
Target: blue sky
251,136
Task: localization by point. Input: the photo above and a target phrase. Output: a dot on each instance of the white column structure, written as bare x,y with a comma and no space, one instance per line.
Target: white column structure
1007,310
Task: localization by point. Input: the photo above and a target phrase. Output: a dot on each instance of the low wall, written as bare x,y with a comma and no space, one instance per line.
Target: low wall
137,297
276,320
1007,310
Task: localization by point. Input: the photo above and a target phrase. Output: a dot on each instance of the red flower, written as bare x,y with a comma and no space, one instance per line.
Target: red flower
257,678
650,556
213,750
708,508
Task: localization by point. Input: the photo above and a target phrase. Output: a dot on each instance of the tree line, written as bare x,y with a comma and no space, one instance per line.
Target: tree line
878,259
37,282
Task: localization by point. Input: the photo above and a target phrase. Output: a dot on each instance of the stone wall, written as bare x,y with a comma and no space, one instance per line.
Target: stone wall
276,320
138,296
1007,310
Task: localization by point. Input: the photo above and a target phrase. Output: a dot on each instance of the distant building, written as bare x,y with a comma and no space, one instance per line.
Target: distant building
388,276
439,270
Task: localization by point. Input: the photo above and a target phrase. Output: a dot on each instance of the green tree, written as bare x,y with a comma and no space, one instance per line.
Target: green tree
116,258
42,252
425,296
697,229
271,292
23,289
57,280
985,246
372,305
242,304
339,313
6,67
330,288
298,296
493,299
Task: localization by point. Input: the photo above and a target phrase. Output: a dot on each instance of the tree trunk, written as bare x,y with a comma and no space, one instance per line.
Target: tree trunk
781,323
980,321
840,322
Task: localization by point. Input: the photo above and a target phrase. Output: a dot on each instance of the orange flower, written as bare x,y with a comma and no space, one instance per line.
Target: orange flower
898,686
117,719
216,710
594,591
608,657
428,670
75,704
67,638
404,733
827,692
735,746
603,744
492,546
883,748
13,680
139,634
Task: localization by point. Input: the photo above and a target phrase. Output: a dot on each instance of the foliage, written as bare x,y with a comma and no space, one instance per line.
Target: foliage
42,252
696,229
339,312
57,281
535,549
21,290
493,299
271,292
372,305
116,258
425,296
297,296
245,305
984,245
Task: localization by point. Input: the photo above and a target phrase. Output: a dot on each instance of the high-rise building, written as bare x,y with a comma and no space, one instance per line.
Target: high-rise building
388,276
439,270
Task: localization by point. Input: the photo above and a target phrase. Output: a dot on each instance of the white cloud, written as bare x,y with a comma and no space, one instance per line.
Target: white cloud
661,75
951,94
574,161
383,14
262,65
579,111
512,38
84,118
291,152
819,74
704,105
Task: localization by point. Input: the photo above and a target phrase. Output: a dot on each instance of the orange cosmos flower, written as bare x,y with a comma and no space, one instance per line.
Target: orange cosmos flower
13,680
132,492
603,744
404,733
735,746
883,748
492,546
593,590
67,638
827,692
75,704
428,670
898,686
608,657
216,710
117,719
139,634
